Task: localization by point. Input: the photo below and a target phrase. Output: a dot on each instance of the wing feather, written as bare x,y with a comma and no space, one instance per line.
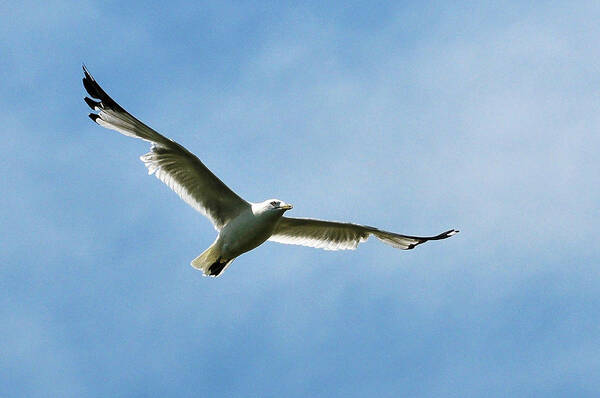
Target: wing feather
331,235
170,162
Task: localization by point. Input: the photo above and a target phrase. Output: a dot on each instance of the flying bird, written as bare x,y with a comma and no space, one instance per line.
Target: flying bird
241,225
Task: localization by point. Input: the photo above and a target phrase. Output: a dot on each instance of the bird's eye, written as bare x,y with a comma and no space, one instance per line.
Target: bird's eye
274,203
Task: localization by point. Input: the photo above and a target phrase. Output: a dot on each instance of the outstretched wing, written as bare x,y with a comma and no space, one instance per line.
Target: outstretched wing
331,235
174,165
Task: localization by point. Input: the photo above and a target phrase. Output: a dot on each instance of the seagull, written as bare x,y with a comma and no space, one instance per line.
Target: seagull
241,225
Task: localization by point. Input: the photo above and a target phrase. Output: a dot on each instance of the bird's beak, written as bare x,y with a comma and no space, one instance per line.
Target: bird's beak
286,206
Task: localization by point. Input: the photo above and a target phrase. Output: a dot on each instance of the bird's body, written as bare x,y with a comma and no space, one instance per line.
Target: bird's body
251,228
242,225
247,231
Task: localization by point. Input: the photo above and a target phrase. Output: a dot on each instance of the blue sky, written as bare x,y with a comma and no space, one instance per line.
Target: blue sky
410,117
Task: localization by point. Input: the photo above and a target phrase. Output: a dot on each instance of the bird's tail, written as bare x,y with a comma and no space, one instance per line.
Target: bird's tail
210,261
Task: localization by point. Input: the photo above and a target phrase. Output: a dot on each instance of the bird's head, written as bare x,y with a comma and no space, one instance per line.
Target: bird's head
271,205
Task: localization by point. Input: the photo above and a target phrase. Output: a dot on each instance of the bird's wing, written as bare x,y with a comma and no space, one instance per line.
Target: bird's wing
331,235
174,165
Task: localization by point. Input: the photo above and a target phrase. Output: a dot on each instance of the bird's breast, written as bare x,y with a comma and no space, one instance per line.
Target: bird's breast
245,232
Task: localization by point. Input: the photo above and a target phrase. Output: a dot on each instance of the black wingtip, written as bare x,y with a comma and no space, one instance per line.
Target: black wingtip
448,234
91,103
95,91
91,86
86,72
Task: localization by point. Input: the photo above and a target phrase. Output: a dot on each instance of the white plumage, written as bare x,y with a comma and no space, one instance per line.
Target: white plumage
242,226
